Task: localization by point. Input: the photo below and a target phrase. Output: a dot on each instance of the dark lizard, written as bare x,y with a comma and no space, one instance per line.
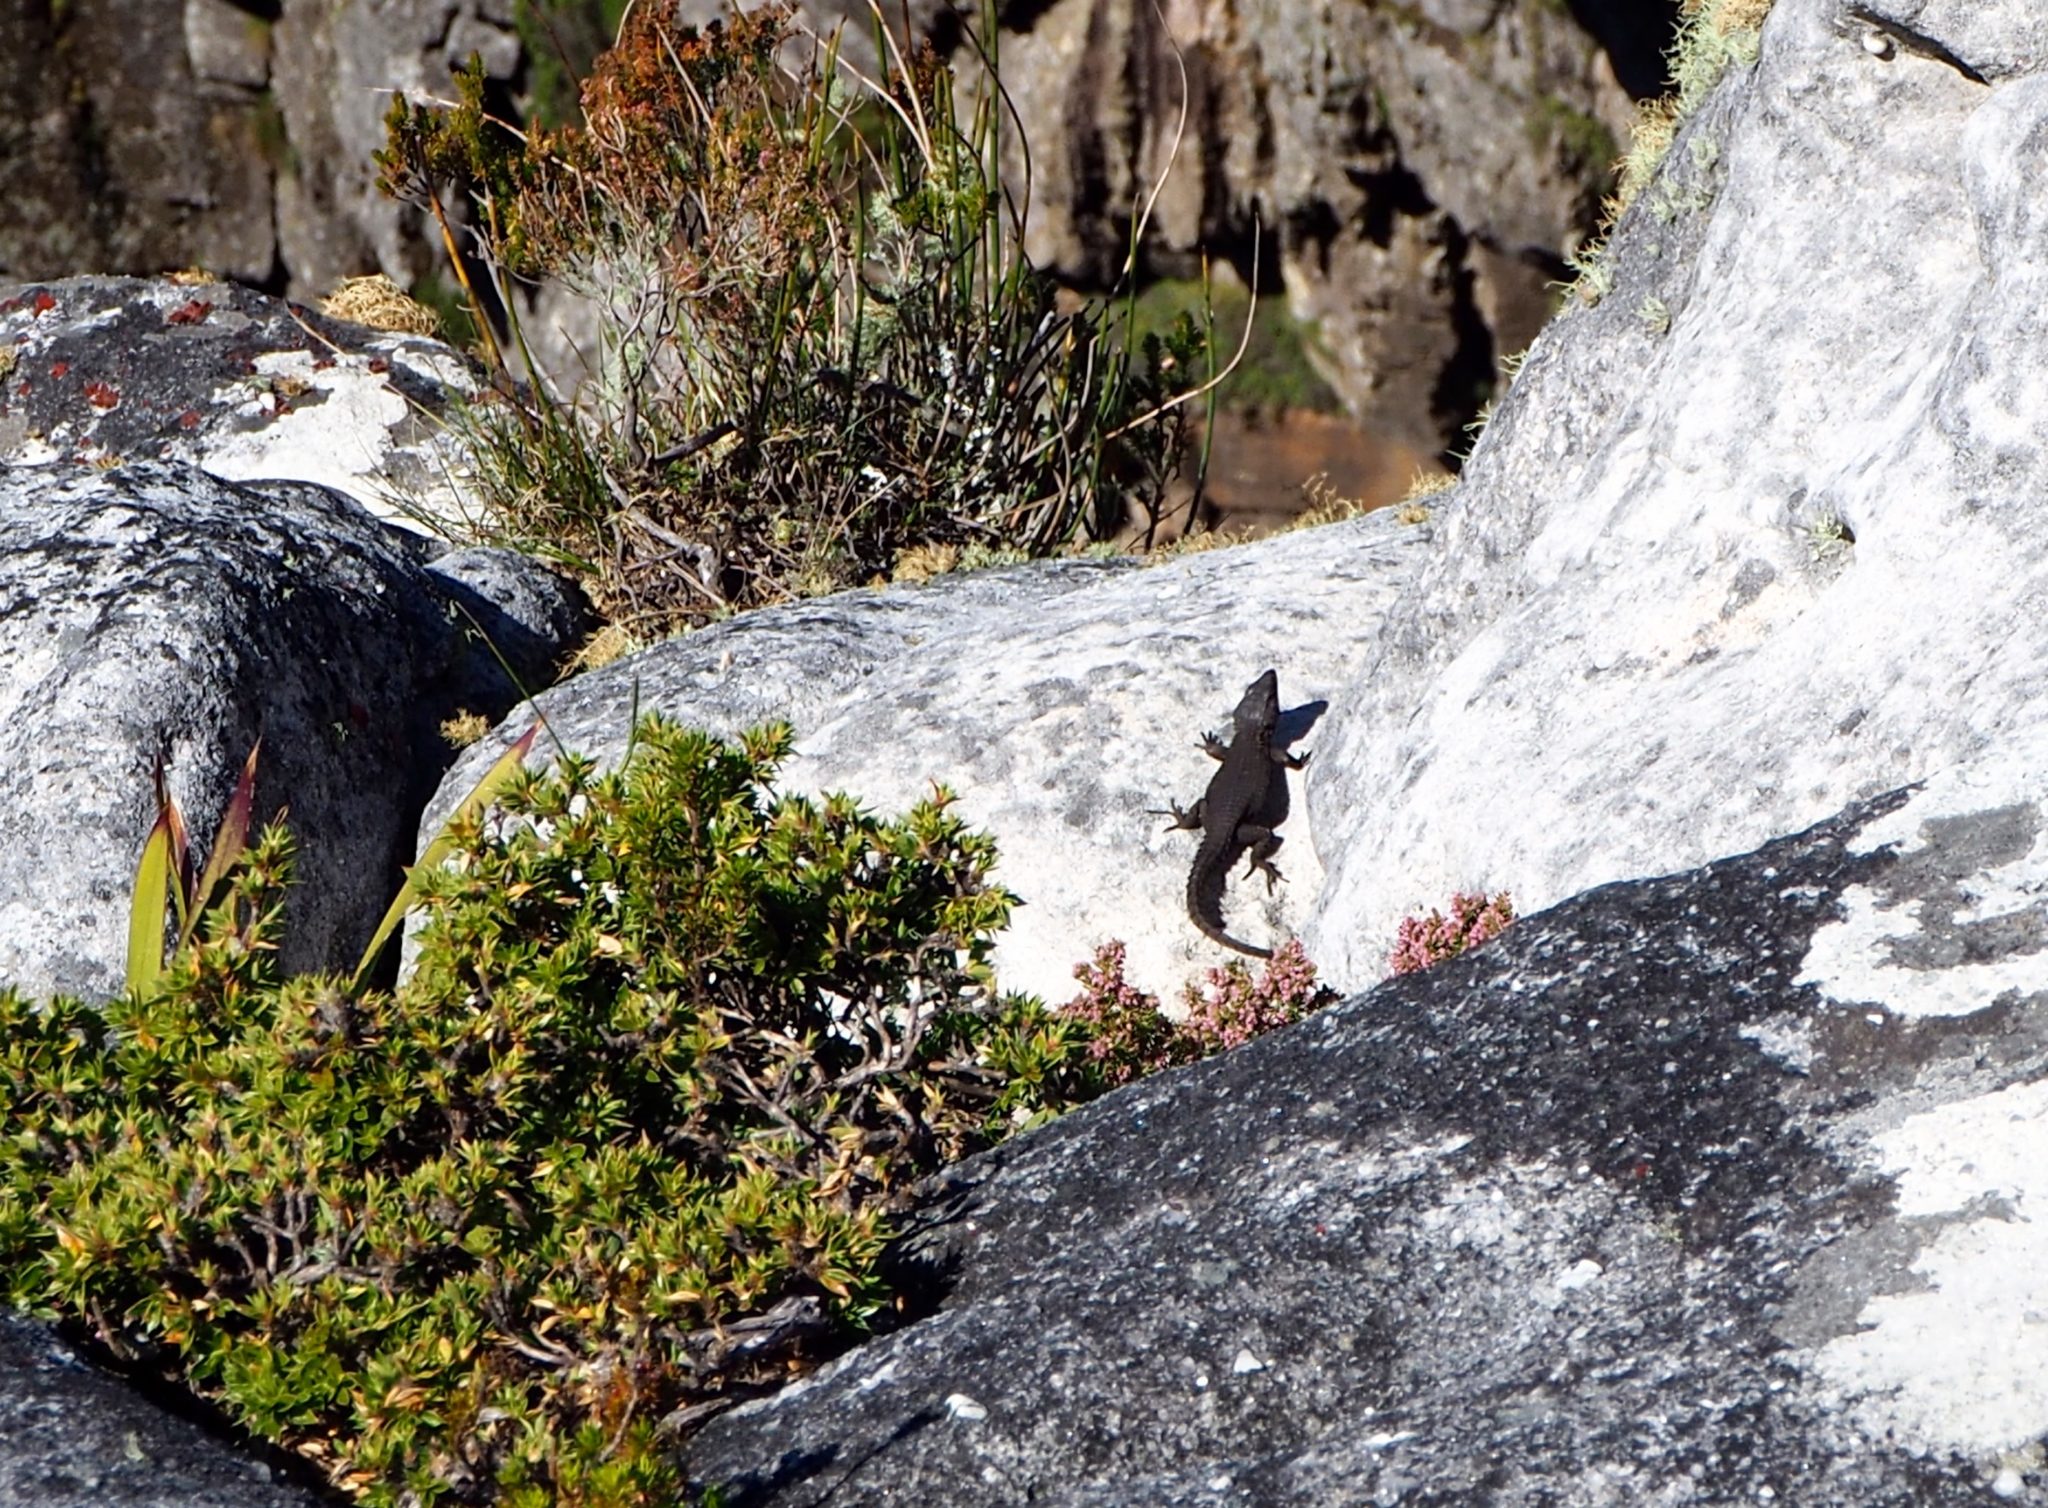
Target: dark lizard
1245,801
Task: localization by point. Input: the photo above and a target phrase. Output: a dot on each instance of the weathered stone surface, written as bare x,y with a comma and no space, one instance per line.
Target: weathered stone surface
247,386
73,1437
147,135
1755,537
1712,1189
522,620
117,155
1065,705
155,610
1421,172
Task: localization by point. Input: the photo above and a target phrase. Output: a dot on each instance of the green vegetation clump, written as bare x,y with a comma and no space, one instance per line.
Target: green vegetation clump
1582,137
1276,372
821,345
562,39
622,1149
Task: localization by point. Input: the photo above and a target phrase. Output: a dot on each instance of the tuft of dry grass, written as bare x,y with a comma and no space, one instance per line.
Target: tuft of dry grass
612,642
465,728
381,304
1713,35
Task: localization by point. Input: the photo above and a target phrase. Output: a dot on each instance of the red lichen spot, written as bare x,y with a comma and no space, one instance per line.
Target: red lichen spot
59,368
42,303
100,395
190,419
191,312
379,364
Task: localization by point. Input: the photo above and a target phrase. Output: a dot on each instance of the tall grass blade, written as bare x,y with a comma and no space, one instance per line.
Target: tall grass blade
228,843
154,886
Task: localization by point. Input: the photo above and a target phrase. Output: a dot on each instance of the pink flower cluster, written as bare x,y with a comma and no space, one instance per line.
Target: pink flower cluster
1132,1037
1236,1008
1129,1038
1423,941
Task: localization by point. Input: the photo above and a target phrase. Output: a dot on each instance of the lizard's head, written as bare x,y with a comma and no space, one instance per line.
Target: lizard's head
1261,702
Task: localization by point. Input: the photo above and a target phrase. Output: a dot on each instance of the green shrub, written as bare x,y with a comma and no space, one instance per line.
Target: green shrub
1276,371
822,344
623,1147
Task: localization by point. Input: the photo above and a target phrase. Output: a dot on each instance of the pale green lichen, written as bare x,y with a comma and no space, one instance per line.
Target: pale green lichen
1713,36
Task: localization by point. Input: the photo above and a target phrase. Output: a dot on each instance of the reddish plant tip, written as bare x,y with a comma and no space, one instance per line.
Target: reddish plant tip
191,312
42,303
101,395
379,364
59,368
190,419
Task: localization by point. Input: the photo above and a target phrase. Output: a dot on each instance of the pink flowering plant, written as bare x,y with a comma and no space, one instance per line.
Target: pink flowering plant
1233,1007
1474,919
1130,1037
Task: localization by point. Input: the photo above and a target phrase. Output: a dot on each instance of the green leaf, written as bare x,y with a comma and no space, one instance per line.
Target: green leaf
147,903
228,845
509,765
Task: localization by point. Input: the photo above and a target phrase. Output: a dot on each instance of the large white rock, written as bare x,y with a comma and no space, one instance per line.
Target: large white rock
1065,705
1752,539
1646,638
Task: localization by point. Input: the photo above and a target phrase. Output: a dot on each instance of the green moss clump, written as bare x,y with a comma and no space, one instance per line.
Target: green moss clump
626,1142
1583,138
1277,372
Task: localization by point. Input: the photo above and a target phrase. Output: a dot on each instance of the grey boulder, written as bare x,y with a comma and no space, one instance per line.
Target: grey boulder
72,1436
154,611
245,385
1718,1188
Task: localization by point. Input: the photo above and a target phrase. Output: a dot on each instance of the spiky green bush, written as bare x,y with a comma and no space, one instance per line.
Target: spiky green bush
622,1148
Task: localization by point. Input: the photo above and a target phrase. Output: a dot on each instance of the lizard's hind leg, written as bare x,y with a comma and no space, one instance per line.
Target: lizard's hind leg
1261,843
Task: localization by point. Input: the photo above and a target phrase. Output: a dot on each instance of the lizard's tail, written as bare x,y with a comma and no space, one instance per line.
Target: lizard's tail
1206,912
1217,934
